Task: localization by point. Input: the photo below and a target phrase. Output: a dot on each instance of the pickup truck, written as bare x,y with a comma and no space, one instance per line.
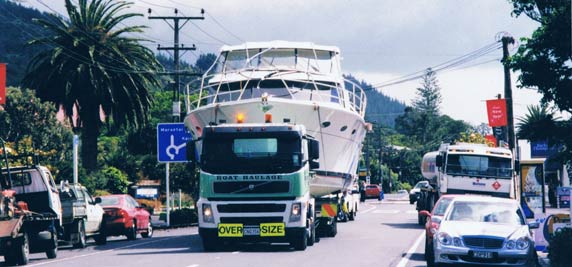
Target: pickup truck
82,216
30,216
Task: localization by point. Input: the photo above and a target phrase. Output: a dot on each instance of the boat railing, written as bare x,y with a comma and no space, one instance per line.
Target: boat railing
237,86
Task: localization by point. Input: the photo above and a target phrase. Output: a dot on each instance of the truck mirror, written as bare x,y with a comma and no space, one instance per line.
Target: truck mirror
314,165
517,165
97,200
439,161
191,147
313,149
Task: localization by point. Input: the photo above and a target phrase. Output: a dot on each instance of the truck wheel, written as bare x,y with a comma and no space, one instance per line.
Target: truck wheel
132,232
312,237
301,243
101,238
210,244
149,232
81,239
52,252
20,254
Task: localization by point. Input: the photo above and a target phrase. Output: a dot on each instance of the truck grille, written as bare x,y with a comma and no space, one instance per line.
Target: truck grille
253,187
251,220
240,208
483,242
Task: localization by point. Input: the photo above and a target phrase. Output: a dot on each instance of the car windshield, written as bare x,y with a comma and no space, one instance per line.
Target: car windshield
489,212
109,201
442,206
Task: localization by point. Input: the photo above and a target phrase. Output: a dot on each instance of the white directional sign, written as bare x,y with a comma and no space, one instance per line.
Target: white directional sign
172,141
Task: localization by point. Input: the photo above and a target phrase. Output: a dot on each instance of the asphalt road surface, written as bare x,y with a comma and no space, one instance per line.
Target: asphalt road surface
384,234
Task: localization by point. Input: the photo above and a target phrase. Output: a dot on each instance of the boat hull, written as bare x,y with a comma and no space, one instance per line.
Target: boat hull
339,131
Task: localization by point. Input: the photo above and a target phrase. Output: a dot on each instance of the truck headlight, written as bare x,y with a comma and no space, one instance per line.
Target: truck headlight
296,212
208,214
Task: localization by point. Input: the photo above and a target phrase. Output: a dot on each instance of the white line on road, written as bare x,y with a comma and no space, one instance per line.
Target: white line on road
101,252
194,265
412,212
235,252
405,258
386,211
368,210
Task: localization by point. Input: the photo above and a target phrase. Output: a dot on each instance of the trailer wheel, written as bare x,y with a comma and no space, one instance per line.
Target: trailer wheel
80,228
52,251
20,253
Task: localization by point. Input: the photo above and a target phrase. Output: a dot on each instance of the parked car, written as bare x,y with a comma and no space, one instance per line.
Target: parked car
483,230
124,216
414,193
373,191
434,219
82,216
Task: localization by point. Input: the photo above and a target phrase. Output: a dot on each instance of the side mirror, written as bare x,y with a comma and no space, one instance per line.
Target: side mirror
313,149
97,200
191,148
425,213
517,165
314,165
439,161
533,225
143,205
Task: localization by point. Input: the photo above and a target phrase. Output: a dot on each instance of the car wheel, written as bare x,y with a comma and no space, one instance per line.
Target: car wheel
52,252
21,254
132,232
80,228
149,232
101,238
429,254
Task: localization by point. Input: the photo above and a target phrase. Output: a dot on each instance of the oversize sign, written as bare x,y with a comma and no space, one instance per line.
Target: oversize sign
2,83
496,109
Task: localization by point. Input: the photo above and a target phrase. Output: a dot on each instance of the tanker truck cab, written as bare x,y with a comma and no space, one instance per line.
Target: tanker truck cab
255,184
475,169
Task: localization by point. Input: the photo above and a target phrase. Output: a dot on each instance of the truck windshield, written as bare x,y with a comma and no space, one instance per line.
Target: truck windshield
256,153
476,165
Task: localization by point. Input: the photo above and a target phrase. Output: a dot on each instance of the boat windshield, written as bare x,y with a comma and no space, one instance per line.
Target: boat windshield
251,153
477,165
305,60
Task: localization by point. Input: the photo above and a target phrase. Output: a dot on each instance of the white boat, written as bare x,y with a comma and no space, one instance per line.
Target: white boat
292,82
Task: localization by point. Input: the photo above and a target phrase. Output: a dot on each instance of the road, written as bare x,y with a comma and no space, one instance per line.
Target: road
384,234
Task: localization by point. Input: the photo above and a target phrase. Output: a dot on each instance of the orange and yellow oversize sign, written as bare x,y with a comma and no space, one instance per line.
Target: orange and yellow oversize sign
329,210
2,83
496,109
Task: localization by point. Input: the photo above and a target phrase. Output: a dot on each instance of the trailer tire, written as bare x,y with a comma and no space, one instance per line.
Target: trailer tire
20,254
80,228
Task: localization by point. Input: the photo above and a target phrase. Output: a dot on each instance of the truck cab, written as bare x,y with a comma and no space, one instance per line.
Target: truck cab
255,184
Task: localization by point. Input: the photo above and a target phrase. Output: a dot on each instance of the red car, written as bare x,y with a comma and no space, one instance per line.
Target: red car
434,219
373,191
124,216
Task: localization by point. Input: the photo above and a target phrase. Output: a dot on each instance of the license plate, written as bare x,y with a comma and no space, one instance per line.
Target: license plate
230,230
251,230
483,254
272,229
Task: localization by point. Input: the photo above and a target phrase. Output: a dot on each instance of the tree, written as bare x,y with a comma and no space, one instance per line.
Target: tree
534,124
204,62
428,97
90,67
545,59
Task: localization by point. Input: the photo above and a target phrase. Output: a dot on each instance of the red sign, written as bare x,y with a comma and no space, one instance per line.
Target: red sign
491,140
496,185
496,110
2,83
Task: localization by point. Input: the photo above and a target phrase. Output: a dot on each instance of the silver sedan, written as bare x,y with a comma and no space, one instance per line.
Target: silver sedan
482,230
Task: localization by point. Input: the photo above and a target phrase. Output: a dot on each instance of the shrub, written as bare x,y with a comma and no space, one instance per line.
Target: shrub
183,217
560,248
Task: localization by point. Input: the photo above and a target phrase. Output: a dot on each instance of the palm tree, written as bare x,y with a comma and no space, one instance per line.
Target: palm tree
538,124
91,70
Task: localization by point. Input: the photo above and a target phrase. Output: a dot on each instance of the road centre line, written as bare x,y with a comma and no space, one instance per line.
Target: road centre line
368,210
405,259
102,252
193,265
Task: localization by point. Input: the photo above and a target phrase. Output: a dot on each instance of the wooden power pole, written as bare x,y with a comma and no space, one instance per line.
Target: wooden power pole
506,40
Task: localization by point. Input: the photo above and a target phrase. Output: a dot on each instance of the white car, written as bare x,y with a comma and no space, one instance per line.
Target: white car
483,230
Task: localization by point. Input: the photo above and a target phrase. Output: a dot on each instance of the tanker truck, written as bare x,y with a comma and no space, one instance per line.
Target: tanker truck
466,168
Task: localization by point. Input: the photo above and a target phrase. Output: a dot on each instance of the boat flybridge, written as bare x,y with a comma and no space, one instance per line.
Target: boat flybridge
288,82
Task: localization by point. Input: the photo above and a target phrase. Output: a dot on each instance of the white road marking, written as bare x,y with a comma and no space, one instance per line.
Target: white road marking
235,252
193,265
366,211
386,211
405,259
411,212
102,252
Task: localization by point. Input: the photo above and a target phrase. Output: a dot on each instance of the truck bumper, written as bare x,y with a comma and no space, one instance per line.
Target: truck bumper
291,235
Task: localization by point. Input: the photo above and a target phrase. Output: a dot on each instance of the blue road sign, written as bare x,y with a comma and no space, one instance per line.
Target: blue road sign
172,141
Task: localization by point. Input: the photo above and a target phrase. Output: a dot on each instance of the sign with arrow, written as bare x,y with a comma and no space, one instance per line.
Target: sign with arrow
172,141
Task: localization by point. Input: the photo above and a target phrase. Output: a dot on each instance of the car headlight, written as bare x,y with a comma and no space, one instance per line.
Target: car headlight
444,238
457,242
510,244
208,213
522,243
296,212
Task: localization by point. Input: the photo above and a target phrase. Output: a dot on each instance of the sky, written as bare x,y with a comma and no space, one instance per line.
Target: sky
379,39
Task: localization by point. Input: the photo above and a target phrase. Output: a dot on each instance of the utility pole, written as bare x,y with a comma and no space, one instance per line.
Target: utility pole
176,26
506,40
